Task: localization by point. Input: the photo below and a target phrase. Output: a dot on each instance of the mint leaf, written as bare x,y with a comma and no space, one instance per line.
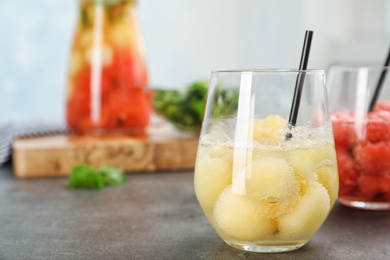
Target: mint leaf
112,176
84,176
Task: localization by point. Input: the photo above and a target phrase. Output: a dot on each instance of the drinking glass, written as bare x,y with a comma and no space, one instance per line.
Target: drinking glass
362,134
266,185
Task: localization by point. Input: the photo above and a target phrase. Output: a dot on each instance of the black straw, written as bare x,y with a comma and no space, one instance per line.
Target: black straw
380,83
300,80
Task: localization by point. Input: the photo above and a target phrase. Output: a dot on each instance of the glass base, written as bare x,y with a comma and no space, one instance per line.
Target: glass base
265,248
368,205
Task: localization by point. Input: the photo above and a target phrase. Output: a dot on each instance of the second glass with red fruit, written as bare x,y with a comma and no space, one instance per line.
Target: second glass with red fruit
362,134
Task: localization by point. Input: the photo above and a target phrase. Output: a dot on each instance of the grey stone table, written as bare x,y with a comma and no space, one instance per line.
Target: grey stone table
152,216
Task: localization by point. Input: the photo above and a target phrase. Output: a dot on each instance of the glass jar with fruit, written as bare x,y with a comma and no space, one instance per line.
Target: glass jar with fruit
362,135
107,75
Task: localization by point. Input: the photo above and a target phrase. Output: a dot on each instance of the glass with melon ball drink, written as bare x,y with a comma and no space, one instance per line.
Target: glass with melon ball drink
361,125
265,185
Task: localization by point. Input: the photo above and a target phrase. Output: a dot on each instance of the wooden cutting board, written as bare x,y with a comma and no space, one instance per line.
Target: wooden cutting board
161,148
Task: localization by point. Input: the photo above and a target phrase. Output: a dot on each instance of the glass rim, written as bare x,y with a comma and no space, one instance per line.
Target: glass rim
267,71
359,66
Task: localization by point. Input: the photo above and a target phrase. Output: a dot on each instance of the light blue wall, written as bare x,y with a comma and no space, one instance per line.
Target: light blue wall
34,45
185,40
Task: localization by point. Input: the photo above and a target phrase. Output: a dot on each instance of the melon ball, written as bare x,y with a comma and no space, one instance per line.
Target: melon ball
268,128
376,186
235,215
121,36
308,214
211,177
270,208
219,151
272,178
86,39
328,177
272,186
76,62
302,183
306,161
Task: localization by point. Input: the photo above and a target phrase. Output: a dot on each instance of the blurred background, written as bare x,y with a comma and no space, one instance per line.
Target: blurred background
185,40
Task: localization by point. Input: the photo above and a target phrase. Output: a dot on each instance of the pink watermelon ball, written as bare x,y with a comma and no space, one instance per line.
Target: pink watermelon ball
347,171
372,157
378,126
343,131
375,187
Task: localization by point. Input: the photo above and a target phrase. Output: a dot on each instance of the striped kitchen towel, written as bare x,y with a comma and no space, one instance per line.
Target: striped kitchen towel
26,128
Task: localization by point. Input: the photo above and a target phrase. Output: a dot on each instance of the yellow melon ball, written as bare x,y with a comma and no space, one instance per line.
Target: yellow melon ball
272,186
306,161
86,39
272,178
235,215
76,63
267,129
122,36
328,177
307,216
271,208
219,151
211,177
303,183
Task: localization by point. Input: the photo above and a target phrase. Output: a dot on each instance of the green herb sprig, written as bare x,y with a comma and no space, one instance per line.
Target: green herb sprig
87,177
185,109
